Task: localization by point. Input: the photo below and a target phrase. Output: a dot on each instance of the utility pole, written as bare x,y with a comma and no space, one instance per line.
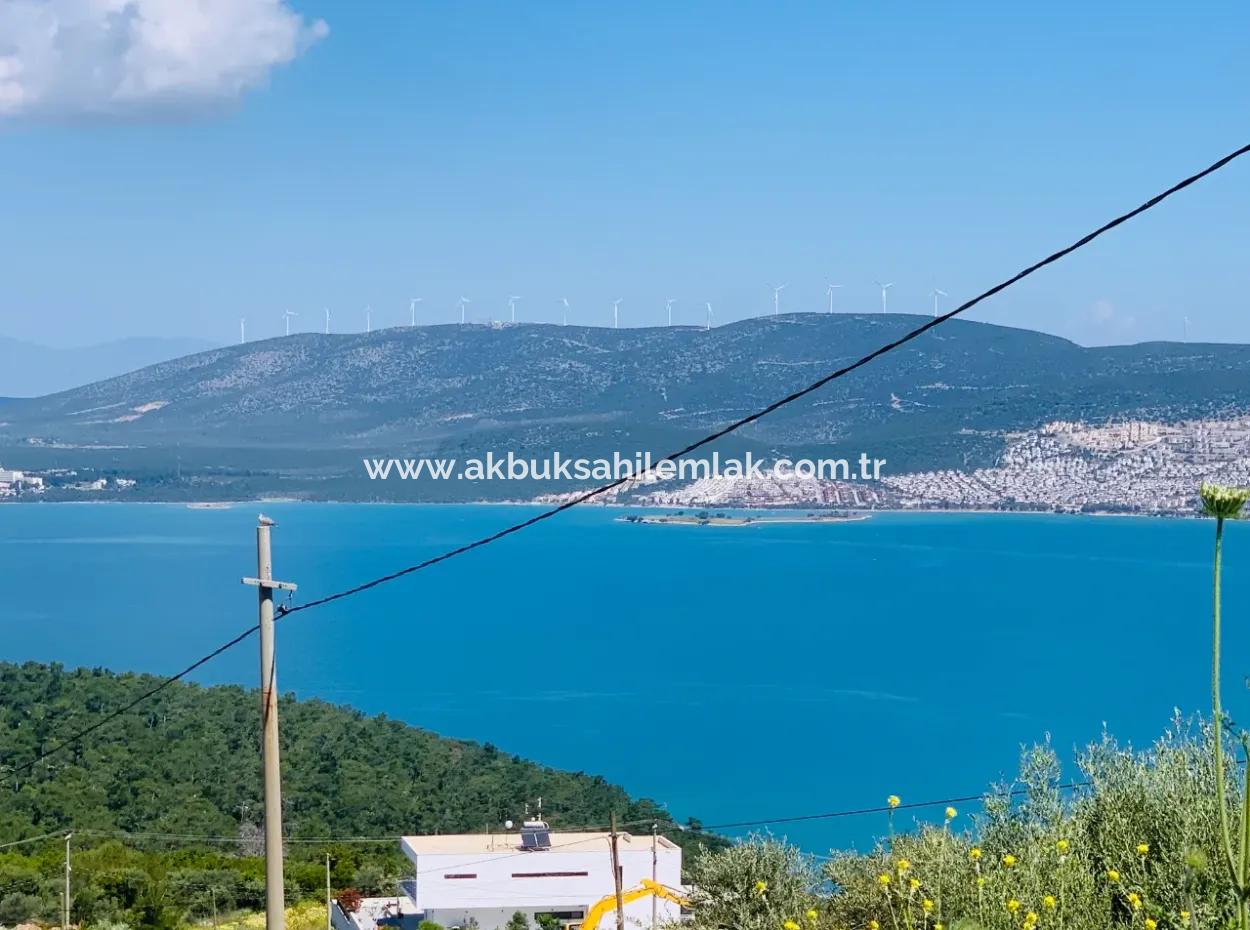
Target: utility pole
329,923
655,869
65,919
275,902
616,877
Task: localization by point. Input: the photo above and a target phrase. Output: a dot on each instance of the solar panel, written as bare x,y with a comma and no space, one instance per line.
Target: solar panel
536,839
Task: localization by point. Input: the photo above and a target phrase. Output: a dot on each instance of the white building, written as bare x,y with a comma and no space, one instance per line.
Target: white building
486,878
12,481
394,913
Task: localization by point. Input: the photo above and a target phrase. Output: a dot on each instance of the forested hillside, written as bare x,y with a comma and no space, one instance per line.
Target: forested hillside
186,766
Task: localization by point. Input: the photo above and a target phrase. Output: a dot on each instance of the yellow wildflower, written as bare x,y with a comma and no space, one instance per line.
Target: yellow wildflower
1049,902
1062,846
903,866
951,813
884,879
1134,900
811,914
1151,924
1143,848
1113,875
913,883
1013,905
1030,919
790,925
927,905
893,800
1185,916
1009,860
974,853
939,926
980,881
873,925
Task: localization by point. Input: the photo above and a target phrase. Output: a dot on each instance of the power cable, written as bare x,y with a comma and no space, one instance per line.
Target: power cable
686,450
788,399
60,834
165,683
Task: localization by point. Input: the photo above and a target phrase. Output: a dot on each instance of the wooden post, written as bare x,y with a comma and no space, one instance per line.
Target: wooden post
616,878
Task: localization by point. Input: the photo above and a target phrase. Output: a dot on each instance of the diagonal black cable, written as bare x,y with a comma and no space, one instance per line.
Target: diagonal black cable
788,399
737,424
165,683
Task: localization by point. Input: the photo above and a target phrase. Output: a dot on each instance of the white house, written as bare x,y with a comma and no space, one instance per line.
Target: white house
486,878
394,913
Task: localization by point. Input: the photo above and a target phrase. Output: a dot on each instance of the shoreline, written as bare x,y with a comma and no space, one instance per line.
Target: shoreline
855,514
721,519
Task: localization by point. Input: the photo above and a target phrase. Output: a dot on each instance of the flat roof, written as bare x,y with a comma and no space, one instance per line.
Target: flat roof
455,843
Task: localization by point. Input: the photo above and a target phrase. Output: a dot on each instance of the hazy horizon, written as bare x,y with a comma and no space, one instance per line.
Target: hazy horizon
70,346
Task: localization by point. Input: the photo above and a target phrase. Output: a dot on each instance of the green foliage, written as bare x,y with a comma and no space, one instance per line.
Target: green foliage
755,885
18,906
1133,846
429,925
517,921
187,763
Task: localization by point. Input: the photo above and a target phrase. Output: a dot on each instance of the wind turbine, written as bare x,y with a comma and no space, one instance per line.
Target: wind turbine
327,321
463,301
668,305
286,315
777,298
829,290
412,310
512,306
937,292
368,319
709,315
242,330
565,301
616,313
884,288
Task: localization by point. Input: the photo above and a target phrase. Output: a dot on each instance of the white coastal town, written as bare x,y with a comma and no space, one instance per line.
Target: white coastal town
1128,467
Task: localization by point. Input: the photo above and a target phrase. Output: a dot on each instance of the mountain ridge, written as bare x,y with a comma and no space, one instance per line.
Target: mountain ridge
320,402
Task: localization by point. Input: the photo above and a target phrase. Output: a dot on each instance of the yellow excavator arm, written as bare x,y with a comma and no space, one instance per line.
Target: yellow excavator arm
608,904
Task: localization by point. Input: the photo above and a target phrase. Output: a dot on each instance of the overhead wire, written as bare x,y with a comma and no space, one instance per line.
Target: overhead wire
284,610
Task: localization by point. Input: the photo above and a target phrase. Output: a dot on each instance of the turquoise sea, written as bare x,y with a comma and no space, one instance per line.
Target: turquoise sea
732,673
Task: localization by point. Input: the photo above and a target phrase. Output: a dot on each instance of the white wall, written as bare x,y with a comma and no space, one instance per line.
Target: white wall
505,882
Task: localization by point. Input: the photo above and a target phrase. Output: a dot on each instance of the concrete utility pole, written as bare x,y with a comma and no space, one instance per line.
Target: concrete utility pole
616,878
275,902
329,923
65,918
655,869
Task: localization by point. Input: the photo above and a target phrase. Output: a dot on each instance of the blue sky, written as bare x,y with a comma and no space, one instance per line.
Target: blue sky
695,150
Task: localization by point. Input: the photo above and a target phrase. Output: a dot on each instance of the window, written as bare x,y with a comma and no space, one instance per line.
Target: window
550,874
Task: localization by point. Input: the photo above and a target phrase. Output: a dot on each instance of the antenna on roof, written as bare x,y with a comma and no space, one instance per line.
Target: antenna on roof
535,834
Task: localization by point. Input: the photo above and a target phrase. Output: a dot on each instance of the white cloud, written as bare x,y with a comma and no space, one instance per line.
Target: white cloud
73,58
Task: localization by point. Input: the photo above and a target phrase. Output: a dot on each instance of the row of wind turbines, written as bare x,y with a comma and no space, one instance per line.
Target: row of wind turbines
513,299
